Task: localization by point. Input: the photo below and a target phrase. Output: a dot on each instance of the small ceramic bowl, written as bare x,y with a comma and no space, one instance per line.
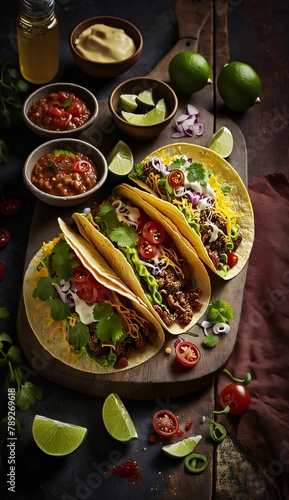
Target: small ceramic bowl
74,145
109,69
134,86
80,92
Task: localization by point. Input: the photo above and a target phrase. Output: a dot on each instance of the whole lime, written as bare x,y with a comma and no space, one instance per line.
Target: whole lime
189,72
239,86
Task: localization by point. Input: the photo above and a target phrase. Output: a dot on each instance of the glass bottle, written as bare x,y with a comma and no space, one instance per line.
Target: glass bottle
37,38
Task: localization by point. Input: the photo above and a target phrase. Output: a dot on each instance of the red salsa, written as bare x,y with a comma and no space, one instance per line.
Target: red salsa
64,173
59,111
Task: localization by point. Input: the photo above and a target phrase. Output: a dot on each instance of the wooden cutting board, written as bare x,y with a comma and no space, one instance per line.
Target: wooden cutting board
162,375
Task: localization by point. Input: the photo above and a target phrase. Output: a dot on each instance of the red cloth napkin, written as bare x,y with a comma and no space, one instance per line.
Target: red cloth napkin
262,346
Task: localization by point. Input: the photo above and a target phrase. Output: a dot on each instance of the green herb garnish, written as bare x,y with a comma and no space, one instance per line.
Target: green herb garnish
117,231
219,311
196,172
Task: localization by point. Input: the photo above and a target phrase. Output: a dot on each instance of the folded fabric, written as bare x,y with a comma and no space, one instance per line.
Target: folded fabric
262,346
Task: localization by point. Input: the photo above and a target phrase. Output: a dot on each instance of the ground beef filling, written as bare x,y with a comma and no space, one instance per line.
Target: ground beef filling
181,299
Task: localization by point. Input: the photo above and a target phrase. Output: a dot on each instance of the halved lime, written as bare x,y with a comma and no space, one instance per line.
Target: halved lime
57,438
120,159
154,116
182,448
222,142
117,420
128,102
145,100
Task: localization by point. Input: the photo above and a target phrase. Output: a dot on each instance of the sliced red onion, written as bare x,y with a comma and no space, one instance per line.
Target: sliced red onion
188,125
179,339
199,128
194,197
192,110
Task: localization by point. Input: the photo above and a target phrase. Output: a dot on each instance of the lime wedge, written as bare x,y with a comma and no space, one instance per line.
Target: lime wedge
120,159
222,142
117,420
182,448
145,100
57,438
128,102
154,116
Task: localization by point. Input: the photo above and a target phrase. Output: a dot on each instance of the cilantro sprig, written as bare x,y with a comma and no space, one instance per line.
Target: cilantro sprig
62,261
196,172
220,311
117,231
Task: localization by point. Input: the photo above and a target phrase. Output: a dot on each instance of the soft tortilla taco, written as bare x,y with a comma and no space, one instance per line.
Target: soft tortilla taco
205,198
81,313
150,256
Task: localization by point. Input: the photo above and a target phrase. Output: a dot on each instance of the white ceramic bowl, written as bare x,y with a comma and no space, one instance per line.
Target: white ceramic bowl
78,91
72,145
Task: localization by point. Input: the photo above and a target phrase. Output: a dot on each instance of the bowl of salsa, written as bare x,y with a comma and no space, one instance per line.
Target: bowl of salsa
60,110
65,172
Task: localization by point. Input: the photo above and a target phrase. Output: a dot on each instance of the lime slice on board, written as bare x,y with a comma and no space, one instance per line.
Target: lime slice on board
128,102
117,420
222,142
57,438
156,115
120,159
182,448
145,100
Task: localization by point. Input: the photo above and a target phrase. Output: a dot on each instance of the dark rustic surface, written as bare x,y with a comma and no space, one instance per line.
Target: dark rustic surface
258,35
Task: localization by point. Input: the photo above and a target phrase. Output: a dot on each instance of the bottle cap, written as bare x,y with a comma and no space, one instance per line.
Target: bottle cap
37,9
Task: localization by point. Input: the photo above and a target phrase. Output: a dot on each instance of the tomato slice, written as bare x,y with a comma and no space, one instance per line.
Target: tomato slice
4,237
87,291
187,353
64,162
176,178
232,259
165,423
10,207
153,232
80,274
56,112
76,108
146,249
236,396
142,220
62,96
81,166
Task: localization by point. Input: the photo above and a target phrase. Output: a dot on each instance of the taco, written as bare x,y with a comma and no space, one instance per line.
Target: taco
205,198
81,313
150,256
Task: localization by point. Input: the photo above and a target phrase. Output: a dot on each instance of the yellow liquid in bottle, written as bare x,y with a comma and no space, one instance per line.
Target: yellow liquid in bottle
38,50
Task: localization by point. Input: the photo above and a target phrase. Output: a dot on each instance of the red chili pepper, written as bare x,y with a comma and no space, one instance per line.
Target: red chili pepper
62,120
64,162
81,166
